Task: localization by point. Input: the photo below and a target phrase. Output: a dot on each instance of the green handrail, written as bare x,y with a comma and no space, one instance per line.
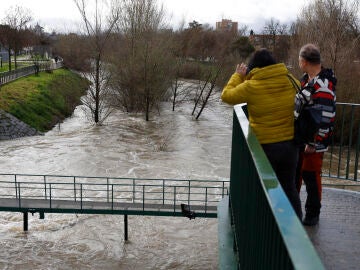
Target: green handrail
267,232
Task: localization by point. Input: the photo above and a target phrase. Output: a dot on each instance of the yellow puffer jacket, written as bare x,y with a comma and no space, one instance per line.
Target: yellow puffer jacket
269,95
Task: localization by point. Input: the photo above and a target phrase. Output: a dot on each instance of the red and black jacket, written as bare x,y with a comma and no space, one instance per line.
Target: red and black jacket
323,104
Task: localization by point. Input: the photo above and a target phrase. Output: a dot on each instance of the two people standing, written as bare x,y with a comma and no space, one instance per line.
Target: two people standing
269,93
320,82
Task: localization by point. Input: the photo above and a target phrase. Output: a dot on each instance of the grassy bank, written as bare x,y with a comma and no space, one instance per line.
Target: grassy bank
41,101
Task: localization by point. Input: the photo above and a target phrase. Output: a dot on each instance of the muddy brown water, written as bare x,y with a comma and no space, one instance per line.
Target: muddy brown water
171,145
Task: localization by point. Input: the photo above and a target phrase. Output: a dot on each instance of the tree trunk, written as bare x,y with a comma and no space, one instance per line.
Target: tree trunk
97,90
147,112
175,92
200,95
15,60
205,101
210,91
9,52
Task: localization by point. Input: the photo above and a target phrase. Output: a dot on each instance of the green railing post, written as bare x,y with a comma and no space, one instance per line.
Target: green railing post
341,140
45,187
163,191
357,156
19,192
112,197
350,143
74,189
189,187
107,189
50,191
223,187
16,192
206,199
81,196
143,197
174,199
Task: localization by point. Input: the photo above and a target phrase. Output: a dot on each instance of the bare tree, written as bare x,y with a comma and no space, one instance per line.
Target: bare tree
6,37
181,89
98,34
276,39
242,48
17,19
334,26
145,65
74,50
202,54
243,29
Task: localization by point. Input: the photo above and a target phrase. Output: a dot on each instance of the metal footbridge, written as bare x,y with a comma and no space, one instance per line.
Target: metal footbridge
107,195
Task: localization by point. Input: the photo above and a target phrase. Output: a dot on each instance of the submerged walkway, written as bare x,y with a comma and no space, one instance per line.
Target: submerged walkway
337,236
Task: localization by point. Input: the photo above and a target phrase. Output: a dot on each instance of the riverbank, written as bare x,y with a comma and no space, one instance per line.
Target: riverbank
44,100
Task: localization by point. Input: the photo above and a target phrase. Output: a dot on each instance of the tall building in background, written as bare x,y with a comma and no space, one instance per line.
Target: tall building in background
227,25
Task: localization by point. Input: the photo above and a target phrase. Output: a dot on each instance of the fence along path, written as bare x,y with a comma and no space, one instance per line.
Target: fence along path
6,77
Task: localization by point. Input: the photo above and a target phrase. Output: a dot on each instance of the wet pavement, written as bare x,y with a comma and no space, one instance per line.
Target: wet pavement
337,236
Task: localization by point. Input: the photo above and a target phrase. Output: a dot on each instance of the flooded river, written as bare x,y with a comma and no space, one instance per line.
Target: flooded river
171,145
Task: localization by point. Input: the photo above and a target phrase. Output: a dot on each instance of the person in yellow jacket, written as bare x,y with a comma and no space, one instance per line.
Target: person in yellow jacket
266,88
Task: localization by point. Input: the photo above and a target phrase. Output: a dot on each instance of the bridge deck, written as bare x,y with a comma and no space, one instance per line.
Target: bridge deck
337,236
94,207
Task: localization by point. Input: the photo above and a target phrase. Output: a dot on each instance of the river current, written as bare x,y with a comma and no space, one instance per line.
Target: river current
171,145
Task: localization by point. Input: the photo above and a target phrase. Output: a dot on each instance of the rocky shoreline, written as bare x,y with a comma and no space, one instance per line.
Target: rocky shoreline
12,128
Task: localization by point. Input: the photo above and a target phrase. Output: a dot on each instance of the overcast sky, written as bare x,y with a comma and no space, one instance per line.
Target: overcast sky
63,16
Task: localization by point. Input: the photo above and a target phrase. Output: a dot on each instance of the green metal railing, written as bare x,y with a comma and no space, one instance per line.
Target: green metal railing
267,232
342,159
141,195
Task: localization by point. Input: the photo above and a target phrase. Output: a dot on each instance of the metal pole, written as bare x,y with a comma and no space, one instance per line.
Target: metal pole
107,188
50,195
74,188
26,218
143,203
45,187
174,199
112,197
126,228
163,191
19,194
16,191
81,194
189,192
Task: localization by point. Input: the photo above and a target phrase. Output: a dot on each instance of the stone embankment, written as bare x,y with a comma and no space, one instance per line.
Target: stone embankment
12,128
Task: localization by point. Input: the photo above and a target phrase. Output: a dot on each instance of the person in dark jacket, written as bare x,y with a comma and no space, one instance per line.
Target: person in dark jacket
320,83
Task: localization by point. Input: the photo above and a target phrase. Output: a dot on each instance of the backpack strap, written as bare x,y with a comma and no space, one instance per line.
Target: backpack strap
295,85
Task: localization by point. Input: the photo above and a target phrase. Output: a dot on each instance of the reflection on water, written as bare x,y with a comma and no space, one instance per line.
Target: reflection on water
170,146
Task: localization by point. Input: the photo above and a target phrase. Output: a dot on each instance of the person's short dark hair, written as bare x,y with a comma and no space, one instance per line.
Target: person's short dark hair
261,58
310,53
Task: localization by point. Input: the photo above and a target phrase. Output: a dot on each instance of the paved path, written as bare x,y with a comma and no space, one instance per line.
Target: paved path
337,236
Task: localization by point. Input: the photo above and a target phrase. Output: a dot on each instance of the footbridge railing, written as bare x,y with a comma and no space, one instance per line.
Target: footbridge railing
108,195
9,76
267,234
342,161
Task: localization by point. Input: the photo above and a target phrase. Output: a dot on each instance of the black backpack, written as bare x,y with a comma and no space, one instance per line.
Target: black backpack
307,116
